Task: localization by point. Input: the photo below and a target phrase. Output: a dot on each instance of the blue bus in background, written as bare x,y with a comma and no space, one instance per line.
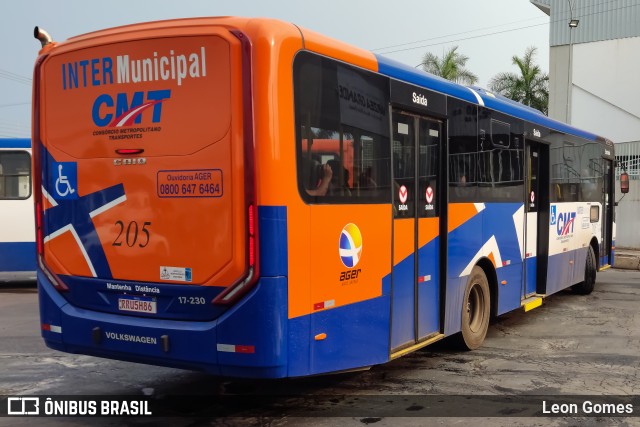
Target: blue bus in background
17,230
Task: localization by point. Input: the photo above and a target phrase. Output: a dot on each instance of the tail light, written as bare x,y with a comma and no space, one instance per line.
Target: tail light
238,289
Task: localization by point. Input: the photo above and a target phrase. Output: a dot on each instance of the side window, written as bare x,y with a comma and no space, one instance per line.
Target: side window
591,172
565,171
500,157
463,151
15,175
342,132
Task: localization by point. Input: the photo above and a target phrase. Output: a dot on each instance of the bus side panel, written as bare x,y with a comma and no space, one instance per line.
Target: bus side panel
17,256
570,233
357,335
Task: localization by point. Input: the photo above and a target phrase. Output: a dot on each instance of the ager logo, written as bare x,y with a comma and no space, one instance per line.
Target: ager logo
350,251
119,112
565,222
350,245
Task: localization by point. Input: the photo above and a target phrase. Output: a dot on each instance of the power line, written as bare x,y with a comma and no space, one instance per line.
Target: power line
465,38
457,34
15,104
14,77
497,32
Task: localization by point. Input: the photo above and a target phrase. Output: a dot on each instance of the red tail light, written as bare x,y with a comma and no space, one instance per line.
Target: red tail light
238,289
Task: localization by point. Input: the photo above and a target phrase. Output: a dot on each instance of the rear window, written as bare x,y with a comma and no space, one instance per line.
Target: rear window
342,132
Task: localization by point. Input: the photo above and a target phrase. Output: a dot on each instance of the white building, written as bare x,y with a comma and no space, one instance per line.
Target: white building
594,83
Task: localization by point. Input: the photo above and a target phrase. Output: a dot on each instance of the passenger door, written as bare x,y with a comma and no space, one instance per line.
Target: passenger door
415,313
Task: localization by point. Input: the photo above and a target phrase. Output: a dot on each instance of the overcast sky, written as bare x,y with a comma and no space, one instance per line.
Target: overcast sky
488,32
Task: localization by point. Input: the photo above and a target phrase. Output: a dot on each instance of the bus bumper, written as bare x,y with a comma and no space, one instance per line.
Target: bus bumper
248,340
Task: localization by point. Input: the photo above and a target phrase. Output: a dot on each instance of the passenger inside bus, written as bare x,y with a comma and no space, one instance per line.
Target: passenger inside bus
318,177
338,187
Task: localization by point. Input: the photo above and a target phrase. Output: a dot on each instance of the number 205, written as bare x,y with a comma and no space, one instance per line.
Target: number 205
132,233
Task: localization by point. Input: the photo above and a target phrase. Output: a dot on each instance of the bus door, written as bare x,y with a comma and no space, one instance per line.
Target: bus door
607,214
415,295
532,196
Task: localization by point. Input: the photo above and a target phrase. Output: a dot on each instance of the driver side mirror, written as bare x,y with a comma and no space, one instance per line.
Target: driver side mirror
624,183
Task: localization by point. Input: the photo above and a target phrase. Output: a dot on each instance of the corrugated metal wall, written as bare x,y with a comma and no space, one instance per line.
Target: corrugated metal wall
627,218
599,20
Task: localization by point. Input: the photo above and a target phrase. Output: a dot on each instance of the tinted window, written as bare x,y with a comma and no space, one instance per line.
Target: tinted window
342,132
577,170
463,151
500,158
15,175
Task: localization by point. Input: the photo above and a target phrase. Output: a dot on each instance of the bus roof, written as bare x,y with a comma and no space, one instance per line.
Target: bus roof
476,96
15,143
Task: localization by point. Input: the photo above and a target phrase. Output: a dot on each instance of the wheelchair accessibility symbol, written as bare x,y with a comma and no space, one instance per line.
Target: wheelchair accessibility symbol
63,180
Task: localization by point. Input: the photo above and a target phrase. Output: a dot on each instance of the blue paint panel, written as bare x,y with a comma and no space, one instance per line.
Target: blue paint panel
498,222
531,266
418,77
515,109
15,143
557,272
453,310
18,256
299,343
428,291
95,294
613,253
357,335
403,310
258,320
561,274
464,242
272,232
509,295
579,265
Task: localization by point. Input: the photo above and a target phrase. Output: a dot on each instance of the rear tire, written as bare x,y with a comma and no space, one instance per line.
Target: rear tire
590,270
476,310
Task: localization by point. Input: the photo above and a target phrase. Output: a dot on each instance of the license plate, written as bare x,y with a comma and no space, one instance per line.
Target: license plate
137,305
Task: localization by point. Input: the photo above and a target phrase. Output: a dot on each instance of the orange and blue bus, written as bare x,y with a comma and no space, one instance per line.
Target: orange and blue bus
249,198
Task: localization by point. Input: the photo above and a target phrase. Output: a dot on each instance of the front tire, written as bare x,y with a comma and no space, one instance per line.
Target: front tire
476,310
590,270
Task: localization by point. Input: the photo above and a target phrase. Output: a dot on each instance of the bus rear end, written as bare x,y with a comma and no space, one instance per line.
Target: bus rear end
145,202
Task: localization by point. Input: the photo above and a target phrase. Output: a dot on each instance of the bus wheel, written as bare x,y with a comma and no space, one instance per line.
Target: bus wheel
476,309
586,287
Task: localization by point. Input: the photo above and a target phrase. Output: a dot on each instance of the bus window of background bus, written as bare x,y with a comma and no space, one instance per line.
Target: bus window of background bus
463,151
15,175
565,169
342,120
500,157
591,172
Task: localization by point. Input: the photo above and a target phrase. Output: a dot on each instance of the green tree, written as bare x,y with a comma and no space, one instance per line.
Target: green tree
450,66
530,86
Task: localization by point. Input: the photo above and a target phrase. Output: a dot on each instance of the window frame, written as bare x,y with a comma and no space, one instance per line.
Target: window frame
3,175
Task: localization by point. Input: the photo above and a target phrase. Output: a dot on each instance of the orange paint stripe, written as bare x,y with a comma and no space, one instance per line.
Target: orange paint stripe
459,213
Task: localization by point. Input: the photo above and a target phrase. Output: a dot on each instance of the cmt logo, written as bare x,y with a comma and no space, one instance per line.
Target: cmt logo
565,222
350,245
121,111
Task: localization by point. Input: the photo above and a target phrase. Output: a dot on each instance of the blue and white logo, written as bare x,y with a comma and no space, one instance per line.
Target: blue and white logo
554,215
63,180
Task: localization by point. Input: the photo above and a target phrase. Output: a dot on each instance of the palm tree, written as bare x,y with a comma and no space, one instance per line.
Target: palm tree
450,66
530,86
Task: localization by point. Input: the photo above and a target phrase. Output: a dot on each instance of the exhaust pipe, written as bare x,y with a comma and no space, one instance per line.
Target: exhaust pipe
42,35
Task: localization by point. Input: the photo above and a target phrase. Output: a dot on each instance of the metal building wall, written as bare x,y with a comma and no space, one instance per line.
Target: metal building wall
627,218
599,20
